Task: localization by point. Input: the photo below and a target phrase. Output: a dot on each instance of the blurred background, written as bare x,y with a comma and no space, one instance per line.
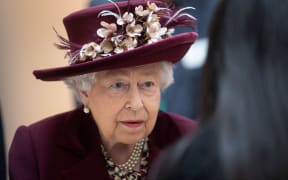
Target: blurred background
26,44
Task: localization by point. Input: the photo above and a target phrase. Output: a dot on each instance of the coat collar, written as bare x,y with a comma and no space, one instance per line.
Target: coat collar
92,166
80,137
79,133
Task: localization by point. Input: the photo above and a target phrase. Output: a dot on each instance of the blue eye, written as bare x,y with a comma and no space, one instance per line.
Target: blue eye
117,88
149,84
149,87
118,85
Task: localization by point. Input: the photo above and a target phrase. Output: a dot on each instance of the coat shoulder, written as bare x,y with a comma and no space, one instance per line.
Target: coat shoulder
45,133
54,120
178,122
52,143
170,127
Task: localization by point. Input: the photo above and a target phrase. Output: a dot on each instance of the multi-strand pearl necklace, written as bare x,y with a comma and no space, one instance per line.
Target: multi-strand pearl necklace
134,158
126,169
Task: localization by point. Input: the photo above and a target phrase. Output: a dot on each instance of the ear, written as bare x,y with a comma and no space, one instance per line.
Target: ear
84,97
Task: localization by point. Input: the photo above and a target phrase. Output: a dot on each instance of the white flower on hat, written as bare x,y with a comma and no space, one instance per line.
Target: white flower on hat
125,19
152,7
107,30
128,17
154,30
139,11
130,43
107,46
89,51
134,30
117,39
129,30
118,50
153,18
123,43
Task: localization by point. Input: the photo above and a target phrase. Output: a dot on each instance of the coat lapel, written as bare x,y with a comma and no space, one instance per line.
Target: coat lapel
91,167
81,137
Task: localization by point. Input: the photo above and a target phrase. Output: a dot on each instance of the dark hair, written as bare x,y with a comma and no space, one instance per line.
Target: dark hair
244,101
245,87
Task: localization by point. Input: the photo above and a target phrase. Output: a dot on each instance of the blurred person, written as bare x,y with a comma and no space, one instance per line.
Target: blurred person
244,109
121,57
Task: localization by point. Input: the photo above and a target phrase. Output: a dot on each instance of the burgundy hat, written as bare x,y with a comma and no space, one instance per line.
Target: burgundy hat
123,34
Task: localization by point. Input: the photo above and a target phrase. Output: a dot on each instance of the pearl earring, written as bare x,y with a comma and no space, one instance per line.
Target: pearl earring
86,110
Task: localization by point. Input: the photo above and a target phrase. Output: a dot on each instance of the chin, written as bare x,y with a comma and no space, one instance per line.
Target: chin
133,139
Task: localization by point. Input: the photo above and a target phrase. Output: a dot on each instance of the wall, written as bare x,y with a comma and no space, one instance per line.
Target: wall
26,44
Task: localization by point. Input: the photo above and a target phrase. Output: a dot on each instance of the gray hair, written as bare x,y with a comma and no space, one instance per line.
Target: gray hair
83,83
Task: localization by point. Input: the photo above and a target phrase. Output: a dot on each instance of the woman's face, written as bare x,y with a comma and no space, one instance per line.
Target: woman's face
125,103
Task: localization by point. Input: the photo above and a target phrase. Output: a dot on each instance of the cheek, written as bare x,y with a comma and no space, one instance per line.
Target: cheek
104,112
152,103
102,106
152,106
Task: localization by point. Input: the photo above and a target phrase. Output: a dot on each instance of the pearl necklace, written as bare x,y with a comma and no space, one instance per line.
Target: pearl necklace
126,169
134,158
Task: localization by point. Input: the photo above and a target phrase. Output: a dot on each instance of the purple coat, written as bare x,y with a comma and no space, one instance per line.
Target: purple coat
67,146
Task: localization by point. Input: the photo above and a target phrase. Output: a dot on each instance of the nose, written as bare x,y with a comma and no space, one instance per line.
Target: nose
135,101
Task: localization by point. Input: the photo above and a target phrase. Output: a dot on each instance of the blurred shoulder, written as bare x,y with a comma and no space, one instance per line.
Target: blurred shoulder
170,127
193,157
53,126
178,122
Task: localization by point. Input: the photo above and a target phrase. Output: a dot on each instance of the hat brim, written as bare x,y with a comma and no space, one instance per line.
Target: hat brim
171,49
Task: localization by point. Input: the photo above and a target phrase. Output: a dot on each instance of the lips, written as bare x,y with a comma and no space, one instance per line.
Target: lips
132,123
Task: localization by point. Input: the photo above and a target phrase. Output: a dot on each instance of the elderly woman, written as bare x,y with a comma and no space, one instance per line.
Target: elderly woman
120,58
